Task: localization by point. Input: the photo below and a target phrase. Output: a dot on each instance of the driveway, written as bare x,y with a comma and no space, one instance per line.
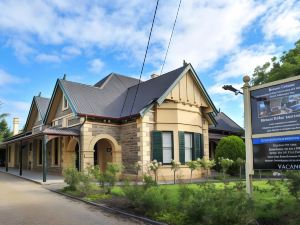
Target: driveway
26,203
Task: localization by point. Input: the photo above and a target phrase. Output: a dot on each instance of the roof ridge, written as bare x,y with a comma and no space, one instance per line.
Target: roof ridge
87,85
151,79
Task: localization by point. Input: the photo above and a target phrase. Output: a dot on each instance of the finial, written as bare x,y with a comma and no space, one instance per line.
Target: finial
40,94
65,76
246,78
184,63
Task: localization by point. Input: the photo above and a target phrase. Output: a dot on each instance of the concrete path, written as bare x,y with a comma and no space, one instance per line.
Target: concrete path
35,176
25,203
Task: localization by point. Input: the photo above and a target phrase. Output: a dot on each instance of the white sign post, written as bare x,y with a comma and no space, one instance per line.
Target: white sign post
248,135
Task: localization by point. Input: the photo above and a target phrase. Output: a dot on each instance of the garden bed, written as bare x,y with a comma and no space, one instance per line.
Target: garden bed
272,203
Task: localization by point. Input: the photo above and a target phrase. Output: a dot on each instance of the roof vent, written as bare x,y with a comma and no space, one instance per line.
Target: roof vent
154,75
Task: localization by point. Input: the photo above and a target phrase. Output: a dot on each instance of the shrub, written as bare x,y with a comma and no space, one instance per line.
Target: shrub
206,164
231,147
193,165
72,177
154,166
225,164
240,163
209,205
110,175
294,183
148,181
175,166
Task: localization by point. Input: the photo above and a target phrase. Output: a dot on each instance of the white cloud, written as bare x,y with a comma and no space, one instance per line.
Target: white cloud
206,30
96,65
282,20
244,61
6,78
51,58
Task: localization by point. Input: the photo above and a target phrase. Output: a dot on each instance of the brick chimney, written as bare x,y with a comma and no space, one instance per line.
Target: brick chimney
16,122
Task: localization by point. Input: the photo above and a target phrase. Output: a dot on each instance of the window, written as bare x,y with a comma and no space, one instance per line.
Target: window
40,152
167,144
55,152
65,104
188,146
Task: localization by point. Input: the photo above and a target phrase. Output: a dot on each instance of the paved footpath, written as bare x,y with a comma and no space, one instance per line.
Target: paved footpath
26,203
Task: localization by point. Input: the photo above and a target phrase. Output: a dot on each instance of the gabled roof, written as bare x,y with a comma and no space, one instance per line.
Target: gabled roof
225,123
41,104
149,92
114,95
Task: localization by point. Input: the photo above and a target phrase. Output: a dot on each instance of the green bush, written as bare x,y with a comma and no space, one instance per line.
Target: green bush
110,175
231,147
72,177
294,183
211,206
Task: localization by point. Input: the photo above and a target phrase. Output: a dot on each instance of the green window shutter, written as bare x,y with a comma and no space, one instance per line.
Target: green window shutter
181,147
157,153
197,146
201,146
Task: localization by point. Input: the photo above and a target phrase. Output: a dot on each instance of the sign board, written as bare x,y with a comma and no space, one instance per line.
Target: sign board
276,108
277,153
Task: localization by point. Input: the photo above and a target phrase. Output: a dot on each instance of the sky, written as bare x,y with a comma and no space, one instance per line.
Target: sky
41,41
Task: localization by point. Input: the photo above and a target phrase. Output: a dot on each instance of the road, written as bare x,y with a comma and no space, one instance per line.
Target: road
26,203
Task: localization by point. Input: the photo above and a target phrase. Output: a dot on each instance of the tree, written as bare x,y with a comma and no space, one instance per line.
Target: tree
287,65
175,166
4,130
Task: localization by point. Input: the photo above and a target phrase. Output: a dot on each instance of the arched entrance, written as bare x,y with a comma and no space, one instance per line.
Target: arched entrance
102,153
106,149
73,154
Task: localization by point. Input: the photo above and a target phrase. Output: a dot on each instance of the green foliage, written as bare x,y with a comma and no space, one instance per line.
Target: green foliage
193,165
174,167
4,130
287,65
72,177
209,205
206,164
225,164
240,163
231,147
294,183
148,181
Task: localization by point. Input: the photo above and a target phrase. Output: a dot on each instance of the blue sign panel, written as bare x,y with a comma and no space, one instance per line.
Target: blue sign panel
277,153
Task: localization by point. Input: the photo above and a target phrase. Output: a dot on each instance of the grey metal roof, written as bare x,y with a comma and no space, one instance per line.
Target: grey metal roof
113,96
149,91
105,100
225,123
62,131
42,105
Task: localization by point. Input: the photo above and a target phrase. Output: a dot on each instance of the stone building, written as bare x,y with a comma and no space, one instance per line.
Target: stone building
119,120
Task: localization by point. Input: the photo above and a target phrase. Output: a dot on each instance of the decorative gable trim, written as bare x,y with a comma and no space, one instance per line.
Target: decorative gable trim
189,67
71,105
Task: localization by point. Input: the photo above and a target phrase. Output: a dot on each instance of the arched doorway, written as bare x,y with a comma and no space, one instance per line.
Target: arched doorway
72,155
103,153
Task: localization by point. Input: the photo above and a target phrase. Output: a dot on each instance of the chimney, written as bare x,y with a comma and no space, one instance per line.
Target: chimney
154,75
16,123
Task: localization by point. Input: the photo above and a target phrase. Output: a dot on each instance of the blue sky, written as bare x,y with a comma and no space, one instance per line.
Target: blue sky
223,39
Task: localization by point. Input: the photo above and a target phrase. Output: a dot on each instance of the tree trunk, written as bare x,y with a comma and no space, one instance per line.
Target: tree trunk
191,176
